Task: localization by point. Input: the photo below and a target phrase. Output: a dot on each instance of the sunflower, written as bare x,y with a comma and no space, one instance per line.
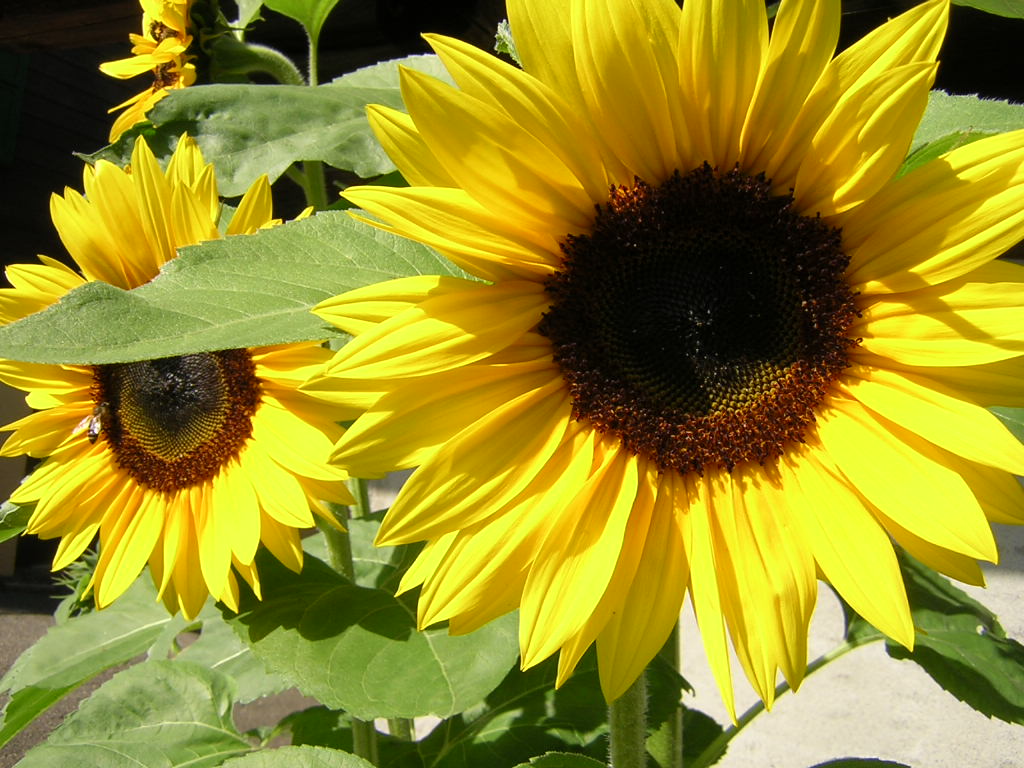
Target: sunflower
160,49
186,462
717,344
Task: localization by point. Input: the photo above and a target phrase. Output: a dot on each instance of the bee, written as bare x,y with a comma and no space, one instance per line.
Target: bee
93,424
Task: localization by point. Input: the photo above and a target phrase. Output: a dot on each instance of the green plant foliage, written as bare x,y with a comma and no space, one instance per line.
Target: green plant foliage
219,648
13,519
248,10
953,121
331,729
380,567
503,42
1013,418
244,291
357,648
562,760
961,644
947,114
240,130
79,649
298,757
311,14
1012,9
159,713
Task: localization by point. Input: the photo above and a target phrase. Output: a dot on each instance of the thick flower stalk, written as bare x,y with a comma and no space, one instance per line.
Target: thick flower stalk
162,50
185,463
712,341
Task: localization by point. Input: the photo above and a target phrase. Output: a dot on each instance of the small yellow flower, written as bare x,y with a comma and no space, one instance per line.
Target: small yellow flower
716,344
187,463
161,49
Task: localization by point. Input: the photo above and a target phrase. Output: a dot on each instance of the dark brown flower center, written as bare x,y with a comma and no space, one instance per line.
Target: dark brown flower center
173,423
701,321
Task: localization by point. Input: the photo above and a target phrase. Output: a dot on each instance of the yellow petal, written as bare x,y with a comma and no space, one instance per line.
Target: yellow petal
433,336
861,144
495,160
723,45
905,478
803,39
577,557
492,460
972,320
966,208
398,135
844,537
937,415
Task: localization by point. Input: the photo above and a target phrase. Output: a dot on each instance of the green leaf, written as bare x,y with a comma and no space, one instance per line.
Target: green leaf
357,648
219,648
562,760
503,42
947,114
248,10
298,757
311,14
1012,9
860,762
1013,418
954,121
240,130
159,713
74,652
13,519
245,291
324,727
961,644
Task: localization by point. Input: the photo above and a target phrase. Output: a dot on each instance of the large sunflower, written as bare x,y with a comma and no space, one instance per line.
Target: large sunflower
188,462
161,49
717,344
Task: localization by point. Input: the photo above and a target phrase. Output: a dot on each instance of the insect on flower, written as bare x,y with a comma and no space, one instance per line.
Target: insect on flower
94,423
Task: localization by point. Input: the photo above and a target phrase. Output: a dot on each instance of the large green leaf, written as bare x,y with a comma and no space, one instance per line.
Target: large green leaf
244,291
159,714
357,648
311,14
526,715
961,644
562,760
324,727
298,757
219,648
74,652
948,114
1012,9
249,130
953,121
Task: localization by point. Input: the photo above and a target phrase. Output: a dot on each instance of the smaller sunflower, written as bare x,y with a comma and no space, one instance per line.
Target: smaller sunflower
161,49
188,463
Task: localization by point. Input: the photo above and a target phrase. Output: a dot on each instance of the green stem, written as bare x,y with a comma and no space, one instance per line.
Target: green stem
339,546
670,653
314,184
262,58
717,747
361,491
339,553
400,728
627,727
364,740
